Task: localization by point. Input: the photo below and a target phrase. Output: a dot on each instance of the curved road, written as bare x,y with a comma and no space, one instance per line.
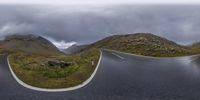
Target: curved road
121,77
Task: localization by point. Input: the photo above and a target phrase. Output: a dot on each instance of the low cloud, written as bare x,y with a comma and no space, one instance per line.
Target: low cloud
86,24
62,45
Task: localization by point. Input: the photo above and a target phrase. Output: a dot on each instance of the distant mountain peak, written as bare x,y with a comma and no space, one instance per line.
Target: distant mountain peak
29,43
75,49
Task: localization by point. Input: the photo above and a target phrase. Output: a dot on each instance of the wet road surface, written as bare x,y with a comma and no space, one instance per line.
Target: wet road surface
121,77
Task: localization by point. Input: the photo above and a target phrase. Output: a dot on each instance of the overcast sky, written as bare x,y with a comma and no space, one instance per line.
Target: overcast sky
58,2
88,23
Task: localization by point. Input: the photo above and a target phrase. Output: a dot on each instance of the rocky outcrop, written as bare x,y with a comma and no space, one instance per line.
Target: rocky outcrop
57,63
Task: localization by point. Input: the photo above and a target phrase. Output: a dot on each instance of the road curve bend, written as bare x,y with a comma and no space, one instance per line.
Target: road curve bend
120,77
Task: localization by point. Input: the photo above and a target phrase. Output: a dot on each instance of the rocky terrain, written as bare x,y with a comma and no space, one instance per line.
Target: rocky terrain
75,49
34,58
143,44
195,46
29,44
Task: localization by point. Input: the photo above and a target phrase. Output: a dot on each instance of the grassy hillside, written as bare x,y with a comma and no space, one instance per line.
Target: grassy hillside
195,46
75,49
143,44
32,67
33,70
29,44
29,57
1,51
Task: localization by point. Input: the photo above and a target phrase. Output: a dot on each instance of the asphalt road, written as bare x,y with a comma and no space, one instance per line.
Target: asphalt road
121,77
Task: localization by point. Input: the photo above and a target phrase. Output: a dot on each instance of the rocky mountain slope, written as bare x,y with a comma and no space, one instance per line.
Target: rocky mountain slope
196,45
29,44
142,44
75,49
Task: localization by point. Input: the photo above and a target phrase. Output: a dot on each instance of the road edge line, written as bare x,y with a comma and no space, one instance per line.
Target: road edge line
149,56
55,90
118,56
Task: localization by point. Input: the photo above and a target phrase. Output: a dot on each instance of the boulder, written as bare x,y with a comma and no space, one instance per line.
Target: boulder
53,63
57,63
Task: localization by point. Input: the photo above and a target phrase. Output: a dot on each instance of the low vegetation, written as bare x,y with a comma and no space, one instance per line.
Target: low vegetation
1,50
32,66
145,44
195,47
30,44
33,70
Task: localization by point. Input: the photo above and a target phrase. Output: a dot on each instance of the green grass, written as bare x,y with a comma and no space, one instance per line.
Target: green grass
150,50
31,70
145,44
30,67
1,51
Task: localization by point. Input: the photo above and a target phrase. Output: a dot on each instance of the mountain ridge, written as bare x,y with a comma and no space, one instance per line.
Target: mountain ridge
75,48
146,44
28,43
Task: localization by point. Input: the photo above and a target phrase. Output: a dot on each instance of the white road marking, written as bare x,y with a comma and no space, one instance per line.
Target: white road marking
149,56
118,56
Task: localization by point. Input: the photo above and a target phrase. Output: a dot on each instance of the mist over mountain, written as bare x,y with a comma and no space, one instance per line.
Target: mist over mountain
85,24
146,44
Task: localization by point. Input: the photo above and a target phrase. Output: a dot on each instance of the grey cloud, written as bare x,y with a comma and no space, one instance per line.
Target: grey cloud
85,24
